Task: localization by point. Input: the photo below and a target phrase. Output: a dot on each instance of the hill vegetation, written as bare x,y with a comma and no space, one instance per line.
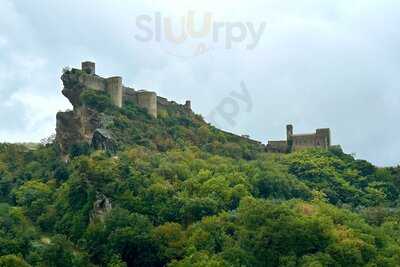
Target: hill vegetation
179,192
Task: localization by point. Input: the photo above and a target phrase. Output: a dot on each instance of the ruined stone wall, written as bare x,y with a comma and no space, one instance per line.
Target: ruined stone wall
162,101
303,141
93,82
323,137
277,146
129,94
321,141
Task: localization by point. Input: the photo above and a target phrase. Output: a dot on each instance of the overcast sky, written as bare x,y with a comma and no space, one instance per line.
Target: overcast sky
317,64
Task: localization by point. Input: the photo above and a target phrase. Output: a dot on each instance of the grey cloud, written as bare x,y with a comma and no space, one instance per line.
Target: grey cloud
319,64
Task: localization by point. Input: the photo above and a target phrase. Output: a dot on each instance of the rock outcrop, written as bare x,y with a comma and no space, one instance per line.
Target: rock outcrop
68,131
101,207
103,140
72,87
80,124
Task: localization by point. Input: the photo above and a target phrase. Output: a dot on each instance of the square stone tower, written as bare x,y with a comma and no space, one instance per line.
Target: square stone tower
89,67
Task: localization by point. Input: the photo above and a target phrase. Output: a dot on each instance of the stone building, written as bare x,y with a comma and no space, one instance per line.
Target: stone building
117,91
320,139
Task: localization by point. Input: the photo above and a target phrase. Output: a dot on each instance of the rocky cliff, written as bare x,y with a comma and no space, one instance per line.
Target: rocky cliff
78,126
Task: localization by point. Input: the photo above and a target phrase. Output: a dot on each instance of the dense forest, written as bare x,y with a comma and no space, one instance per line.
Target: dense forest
181,193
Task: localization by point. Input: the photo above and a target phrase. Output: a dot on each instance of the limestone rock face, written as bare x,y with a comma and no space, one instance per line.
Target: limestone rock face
102,139
101,207
90,120
80,124
76,126
72,88
68,130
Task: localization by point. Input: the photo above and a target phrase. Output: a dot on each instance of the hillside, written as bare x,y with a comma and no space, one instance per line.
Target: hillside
175,191
95,121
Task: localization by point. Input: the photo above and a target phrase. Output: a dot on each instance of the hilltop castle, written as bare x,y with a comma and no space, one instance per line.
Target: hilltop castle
85,125
120,93
320,139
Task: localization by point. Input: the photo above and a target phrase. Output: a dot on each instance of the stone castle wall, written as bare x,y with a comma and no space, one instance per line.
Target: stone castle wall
277,146
303,141
130,94
118,93
148,101
114,89
319,139
323,137
93,82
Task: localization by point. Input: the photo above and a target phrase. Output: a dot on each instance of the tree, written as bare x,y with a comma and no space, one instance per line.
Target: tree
34,196
12,261
61,253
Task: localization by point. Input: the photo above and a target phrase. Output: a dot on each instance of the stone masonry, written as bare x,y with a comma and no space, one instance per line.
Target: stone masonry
84,125
117,91
320,139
